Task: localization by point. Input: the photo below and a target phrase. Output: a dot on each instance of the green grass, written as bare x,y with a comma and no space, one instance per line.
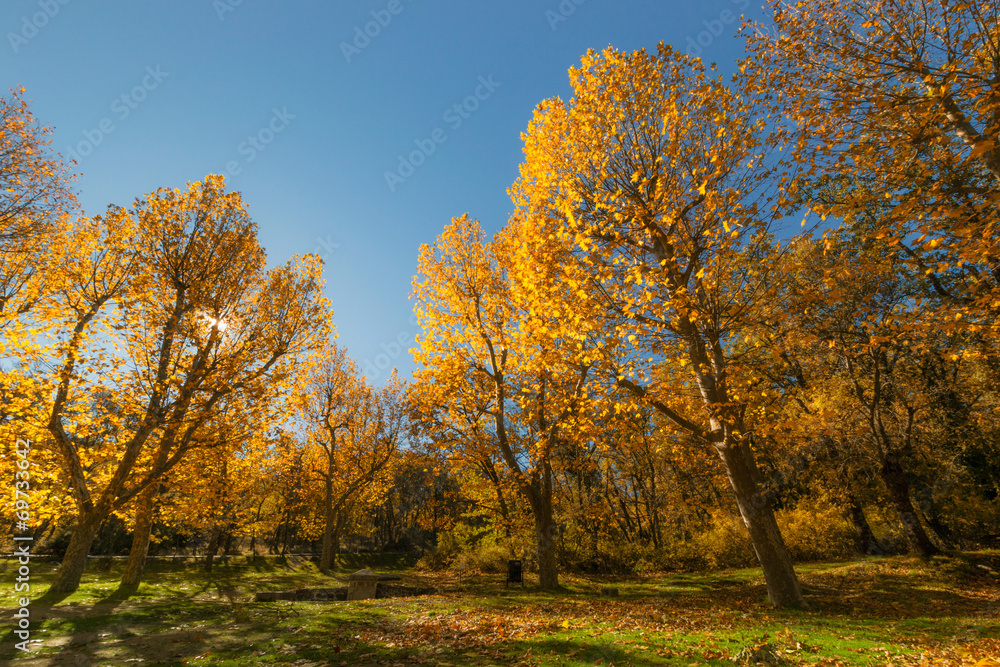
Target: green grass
864,612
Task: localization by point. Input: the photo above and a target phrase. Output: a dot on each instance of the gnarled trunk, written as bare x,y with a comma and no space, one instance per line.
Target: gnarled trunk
898,484
783,588
865,540
140,540
73,563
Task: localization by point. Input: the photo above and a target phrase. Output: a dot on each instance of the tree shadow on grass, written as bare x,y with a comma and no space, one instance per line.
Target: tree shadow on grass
593,651
887,595
50,598
111,642
84,621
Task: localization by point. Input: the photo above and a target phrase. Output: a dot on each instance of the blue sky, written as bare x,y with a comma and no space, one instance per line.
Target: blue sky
306,105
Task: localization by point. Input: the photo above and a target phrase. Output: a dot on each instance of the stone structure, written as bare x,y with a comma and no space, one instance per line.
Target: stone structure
362,585
313,594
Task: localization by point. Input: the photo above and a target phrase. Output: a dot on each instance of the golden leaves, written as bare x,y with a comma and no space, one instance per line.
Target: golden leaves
894,95
159,317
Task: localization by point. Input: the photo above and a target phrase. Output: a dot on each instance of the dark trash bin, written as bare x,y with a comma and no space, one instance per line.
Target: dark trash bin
514,574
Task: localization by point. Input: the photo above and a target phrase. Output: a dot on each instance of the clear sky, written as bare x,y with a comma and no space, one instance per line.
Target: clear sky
306,113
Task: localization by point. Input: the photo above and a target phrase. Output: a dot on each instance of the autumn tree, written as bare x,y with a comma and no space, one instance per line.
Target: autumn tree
896,108
663,176
217,487
287,507
519,375
901,98
167,308
35,201
459,433
853,309
356,431
276,470
425,498
887,394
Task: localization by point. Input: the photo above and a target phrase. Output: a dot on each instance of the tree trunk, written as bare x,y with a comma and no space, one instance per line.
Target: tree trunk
140,540
899,491
36,534
73,563
227,546
338,529
932,518
326,555
652,507
755,507
284,538
212,548
504,512
866,542
545,535
539,494
276,537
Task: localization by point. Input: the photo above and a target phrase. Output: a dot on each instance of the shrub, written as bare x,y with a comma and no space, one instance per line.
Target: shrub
817,530
488,558
725,544
452,545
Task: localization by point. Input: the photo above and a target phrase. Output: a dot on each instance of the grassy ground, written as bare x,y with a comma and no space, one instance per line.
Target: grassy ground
866,612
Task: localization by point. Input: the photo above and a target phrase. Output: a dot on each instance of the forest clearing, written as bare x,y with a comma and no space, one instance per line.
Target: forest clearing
872,611
720,383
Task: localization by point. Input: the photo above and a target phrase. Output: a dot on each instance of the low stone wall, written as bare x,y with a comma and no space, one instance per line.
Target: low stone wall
307,594
340,593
